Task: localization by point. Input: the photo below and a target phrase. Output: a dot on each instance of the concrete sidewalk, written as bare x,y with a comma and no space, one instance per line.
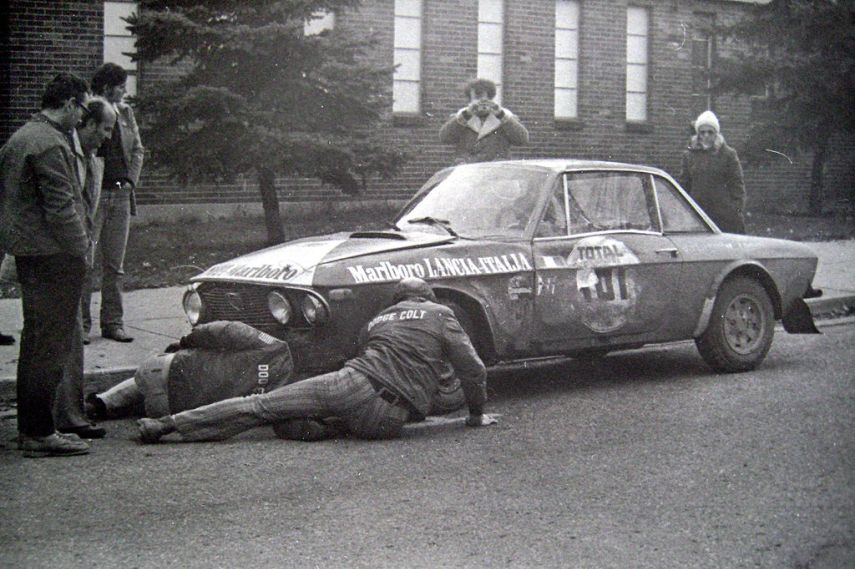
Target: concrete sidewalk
155,318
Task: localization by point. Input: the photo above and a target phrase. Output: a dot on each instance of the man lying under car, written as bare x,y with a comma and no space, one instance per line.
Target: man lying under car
405,353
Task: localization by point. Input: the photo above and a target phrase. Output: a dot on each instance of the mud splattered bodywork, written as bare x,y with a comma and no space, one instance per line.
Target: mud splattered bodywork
538,258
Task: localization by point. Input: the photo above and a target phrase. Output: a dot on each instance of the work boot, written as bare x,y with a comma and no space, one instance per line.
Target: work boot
95,408
53,444
116,333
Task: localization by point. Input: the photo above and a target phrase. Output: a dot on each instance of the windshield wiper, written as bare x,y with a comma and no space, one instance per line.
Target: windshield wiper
444,223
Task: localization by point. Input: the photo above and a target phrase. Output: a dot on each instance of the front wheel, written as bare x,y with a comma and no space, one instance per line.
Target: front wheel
741,327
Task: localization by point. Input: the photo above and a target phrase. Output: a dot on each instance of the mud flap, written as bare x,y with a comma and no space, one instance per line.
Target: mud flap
798,319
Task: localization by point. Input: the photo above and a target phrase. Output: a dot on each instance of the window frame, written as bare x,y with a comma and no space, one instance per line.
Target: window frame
131,67
499,81
566,119
417,112
648,11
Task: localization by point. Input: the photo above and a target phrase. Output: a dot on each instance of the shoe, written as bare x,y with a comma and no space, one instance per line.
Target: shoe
95,408
151,430
86,339
6,340
116,333
85,431
51,445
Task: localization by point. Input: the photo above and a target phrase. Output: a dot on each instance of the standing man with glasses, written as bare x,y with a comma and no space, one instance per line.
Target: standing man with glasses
712,174
123,159
96,127
42,224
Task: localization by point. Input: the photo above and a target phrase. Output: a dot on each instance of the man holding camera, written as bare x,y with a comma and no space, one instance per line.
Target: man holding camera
483,130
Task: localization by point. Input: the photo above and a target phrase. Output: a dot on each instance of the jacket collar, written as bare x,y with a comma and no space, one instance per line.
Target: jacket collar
485,127
717,144
41,117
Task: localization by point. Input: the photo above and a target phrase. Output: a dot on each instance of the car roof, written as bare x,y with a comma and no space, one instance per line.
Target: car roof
562,164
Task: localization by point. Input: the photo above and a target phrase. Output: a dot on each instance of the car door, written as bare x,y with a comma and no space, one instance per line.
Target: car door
604,270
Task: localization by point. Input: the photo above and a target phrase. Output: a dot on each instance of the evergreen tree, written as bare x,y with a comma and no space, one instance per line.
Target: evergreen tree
801,54
258,96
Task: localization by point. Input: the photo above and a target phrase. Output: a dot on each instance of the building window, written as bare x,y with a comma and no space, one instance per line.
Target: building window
637,53
491,16
566,59
319,22
406,86
119,41
703,50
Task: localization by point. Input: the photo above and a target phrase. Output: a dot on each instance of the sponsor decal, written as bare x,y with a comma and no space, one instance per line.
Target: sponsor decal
440,267
546,285
411,314
606,282
265,271
518,285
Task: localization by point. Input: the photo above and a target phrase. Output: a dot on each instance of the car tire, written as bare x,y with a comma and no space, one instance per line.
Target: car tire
741,327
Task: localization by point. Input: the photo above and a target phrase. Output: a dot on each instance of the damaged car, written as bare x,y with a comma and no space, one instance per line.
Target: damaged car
537,258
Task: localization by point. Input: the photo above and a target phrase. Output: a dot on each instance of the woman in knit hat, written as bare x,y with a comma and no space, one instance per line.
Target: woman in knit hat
712,174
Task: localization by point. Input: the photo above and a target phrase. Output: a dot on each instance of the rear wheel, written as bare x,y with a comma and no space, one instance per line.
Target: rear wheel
741,327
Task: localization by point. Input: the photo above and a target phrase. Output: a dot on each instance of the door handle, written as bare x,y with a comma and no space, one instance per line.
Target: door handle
668,251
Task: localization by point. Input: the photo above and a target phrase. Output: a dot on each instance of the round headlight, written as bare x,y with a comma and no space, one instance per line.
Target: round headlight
192,303
279,307
314,310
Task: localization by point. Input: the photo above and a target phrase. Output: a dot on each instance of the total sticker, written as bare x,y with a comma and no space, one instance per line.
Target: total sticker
605,280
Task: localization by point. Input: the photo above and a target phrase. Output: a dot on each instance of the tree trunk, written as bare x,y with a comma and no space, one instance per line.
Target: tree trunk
816,181
270,203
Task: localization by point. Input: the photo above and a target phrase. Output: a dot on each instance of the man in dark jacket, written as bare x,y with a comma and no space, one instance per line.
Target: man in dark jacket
405,352
43,225
215,361
483,130
712,175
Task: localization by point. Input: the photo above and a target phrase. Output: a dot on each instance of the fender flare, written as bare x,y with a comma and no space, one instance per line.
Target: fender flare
751,269
487,337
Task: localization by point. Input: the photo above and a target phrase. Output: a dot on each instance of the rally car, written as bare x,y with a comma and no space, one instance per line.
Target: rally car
537,258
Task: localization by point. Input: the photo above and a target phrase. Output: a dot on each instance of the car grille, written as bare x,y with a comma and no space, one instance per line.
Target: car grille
243,303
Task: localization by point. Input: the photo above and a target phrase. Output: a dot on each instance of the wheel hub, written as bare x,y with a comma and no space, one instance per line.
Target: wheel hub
743,324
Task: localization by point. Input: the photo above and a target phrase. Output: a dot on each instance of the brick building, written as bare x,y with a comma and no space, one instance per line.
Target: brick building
609,79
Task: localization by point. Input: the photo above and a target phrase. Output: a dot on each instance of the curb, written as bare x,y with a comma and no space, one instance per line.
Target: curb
836,307
822,309
95,380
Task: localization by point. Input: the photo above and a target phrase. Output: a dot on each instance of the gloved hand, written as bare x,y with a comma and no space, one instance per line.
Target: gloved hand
481,420
172,348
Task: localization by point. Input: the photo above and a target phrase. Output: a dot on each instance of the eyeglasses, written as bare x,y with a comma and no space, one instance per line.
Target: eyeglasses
83,108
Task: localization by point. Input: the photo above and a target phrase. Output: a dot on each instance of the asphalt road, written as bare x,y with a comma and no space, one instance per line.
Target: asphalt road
645,459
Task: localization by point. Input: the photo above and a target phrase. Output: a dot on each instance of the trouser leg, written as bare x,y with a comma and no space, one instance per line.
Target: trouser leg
68,411
123,394
113,242
345,393
50,293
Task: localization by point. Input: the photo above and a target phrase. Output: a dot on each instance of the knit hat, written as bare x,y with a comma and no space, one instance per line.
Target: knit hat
707,118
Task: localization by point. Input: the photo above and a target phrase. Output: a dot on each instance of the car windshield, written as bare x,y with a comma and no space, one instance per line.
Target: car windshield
477,201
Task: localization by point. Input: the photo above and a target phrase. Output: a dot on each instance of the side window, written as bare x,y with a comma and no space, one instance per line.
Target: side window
609,201
677,215
554,221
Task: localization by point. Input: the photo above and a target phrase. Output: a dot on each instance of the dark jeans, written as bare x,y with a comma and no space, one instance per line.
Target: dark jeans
50,295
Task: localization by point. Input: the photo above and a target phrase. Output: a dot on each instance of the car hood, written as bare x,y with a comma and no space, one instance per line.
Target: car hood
295,262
